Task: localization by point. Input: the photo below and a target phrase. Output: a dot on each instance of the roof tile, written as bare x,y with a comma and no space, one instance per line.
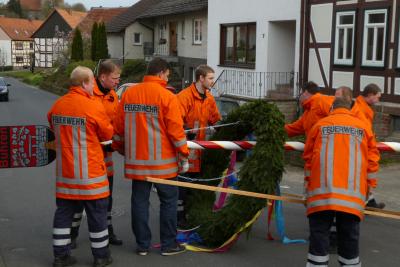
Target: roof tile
19,29
99,14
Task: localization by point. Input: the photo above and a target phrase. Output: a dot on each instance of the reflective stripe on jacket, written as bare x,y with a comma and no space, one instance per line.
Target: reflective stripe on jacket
197,113
149,123
340,155
80,124
315,108
110,103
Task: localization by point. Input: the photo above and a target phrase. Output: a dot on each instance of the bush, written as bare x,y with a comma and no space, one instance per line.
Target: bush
6,68
34,79
86,63
133,70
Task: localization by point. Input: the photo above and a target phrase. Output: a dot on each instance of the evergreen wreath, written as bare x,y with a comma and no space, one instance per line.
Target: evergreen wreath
260,172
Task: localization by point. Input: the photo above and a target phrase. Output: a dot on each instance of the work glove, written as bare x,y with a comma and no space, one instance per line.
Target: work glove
212,130
183,165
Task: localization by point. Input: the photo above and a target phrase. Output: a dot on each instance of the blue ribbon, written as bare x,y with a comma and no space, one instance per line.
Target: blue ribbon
189,237
280,222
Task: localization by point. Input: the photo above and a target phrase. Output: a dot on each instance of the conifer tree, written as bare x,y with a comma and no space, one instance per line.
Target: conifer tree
102,47
94,41
15,6
77,46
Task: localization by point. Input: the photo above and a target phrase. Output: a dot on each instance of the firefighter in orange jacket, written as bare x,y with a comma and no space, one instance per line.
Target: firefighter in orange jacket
80,124
362,109
199,110
149,132
315,106
341,164
108,76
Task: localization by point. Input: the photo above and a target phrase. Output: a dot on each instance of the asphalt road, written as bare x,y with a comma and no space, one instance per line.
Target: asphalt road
27,205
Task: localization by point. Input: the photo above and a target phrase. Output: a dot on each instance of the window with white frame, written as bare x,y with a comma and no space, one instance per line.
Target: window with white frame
137,38
344,37
374,41
19,59
19,46
197,31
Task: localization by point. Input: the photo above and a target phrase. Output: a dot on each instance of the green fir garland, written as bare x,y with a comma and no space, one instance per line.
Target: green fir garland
261,171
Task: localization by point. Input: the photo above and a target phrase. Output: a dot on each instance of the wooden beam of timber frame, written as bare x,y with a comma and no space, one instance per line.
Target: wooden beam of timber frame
293,199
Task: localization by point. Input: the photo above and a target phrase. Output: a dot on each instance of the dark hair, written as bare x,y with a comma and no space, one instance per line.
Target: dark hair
310,87
341,102
371,89
106,67
203,70
156,66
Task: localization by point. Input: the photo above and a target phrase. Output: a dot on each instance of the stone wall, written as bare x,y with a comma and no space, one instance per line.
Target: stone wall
382,125
288,107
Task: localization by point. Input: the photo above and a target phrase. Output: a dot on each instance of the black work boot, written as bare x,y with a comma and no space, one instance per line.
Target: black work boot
377,205
64,261
101,262
74,236
112,238
73,242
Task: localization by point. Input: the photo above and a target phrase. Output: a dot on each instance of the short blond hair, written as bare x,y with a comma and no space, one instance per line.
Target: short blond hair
81,75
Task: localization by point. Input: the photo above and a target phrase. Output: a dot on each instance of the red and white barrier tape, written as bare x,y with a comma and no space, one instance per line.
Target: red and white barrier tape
289,146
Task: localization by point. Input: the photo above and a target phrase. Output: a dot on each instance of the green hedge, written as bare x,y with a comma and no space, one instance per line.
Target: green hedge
133,70
86,63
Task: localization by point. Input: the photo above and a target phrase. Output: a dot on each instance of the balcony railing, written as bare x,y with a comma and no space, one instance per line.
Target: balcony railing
255,85
159,49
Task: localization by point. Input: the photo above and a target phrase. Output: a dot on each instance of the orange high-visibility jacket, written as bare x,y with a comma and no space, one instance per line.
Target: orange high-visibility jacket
110,103
150,124
197,113
315,108
363,111
80,124
340,159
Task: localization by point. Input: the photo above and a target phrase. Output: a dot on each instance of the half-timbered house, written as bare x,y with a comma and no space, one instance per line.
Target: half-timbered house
16,44
354,43
52,37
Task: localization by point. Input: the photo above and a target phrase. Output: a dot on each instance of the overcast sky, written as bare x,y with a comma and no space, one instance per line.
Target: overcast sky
104,3
96,3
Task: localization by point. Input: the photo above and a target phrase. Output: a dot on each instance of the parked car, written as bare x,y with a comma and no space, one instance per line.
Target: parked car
121,90
4,89
225,105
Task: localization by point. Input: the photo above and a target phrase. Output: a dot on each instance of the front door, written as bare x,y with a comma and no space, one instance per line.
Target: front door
173,50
